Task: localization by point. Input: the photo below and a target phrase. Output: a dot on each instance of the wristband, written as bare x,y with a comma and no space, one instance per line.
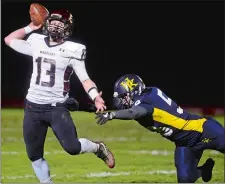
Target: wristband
93,93
27,29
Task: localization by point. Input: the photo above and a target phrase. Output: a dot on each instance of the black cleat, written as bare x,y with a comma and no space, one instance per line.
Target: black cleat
207,168
105,154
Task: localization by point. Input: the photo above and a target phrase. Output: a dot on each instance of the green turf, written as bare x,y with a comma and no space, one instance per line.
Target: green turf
130,143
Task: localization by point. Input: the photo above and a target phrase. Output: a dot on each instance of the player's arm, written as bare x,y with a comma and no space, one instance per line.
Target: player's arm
92,90
16,42
126,114
88,85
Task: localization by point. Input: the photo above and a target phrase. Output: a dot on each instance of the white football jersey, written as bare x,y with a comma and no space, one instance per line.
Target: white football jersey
52,68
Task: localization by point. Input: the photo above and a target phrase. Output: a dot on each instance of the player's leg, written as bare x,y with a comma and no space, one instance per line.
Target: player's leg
186,164
65,131
34,133
212,138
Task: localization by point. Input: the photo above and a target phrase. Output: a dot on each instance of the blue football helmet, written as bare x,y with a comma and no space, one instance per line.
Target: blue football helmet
125,88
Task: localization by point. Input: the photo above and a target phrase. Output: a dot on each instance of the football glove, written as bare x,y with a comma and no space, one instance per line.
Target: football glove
166,132
102,118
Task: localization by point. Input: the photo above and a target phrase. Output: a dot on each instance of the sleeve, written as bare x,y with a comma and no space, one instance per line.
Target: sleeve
135,112
21,46
80,69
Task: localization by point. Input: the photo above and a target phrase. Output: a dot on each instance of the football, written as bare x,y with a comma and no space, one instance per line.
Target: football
38,13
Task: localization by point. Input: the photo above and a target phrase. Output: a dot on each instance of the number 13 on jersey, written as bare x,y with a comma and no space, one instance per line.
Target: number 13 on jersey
50,72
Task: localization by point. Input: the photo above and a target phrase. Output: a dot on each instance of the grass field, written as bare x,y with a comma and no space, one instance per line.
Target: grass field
141,156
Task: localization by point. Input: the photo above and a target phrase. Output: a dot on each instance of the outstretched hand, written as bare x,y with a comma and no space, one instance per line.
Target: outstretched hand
102,118
100,103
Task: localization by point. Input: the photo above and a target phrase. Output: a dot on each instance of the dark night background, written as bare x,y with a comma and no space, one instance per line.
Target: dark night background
178,47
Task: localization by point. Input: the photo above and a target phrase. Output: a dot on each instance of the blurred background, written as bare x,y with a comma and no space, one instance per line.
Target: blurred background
176,46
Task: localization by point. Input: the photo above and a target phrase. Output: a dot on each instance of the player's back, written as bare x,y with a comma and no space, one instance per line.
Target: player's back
186,127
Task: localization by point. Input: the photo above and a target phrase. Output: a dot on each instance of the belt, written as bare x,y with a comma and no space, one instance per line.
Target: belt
46,105
71,104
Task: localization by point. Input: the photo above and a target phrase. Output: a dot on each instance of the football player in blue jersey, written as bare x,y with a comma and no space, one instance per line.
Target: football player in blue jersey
154,110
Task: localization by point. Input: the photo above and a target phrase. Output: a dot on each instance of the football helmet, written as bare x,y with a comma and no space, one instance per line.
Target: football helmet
125,88
59,31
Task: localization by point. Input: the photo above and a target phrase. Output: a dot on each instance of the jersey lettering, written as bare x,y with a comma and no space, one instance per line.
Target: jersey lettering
165,98
168,100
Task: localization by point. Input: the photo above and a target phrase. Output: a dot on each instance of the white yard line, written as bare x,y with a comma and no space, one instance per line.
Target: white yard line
15,139
109,139
105,174
94,175
131,131
151,152
11,129
135,152
97,174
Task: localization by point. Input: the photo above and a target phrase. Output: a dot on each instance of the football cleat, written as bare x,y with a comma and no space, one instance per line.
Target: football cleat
207,168
105,154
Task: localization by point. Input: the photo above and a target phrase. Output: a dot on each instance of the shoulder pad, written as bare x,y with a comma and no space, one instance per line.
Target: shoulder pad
35,36
78,50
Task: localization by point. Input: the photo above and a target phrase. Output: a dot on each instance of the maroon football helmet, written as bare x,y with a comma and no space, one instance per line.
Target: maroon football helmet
58,30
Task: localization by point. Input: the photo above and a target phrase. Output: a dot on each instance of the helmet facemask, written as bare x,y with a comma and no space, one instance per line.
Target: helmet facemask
123,101
125,90
58,25
56,29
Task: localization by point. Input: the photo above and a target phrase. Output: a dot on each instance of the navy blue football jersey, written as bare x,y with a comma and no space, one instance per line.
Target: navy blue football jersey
164,112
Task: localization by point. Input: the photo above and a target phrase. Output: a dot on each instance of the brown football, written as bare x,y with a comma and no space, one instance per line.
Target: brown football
38,14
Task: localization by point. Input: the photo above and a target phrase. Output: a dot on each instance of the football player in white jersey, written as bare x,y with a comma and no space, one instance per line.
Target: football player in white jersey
47,101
